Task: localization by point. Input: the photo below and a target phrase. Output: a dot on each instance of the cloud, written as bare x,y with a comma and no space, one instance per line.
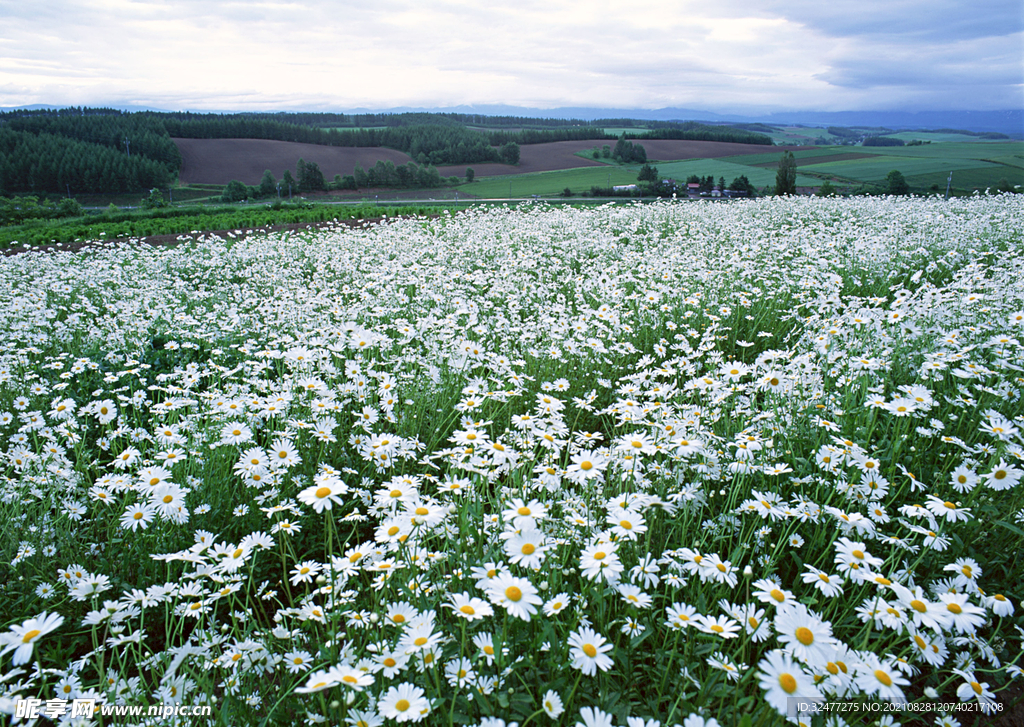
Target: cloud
781,54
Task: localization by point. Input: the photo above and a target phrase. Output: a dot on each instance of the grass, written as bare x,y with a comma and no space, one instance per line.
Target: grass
876,169
968,179
181,220
550,183
726,168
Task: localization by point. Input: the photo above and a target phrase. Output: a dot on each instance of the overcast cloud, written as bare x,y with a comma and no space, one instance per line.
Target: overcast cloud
723,56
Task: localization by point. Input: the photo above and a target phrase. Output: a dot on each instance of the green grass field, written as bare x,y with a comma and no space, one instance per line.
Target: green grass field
933,136
976,164
759,177
550,183
968,179
869,170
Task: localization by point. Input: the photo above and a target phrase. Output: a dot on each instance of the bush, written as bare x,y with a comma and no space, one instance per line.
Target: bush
235,192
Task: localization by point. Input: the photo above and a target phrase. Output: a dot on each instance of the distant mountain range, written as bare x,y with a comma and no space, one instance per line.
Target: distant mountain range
1009,121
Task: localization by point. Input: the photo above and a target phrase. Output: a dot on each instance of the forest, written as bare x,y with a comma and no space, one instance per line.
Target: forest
100,150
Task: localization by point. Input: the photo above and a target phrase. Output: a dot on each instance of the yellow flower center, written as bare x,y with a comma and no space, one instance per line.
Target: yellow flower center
322,492
954,608
402,705
804,635
778,595
528,548
468,610
512,593
27,638
589,650
787,682
883,677
918,606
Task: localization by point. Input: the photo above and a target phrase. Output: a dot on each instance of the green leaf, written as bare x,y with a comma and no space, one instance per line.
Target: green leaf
1009,526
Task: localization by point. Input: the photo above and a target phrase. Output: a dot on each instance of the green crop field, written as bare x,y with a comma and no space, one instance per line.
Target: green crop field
773,157
551,183
628,131
869,170
933,136
1011,161
968,178
951,150
759,177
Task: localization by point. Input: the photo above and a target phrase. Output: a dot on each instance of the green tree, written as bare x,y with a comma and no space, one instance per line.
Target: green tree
648,174
785,177
234,192
510,153
287,183
268,185
155,200
826,189
470,174
742,184
895,183
310,178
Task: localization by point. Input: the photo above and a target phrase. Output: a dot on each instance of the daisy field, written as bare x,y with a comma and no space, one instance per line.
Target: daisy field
665,464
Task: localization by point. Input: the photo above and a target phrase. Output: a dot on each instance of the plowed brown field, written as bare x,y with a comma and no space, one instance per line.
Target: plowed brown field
218,161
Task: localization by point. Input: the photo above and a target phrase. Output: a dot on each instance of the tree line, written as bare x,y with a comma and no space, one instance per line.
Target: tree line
50,164
309,178
88,150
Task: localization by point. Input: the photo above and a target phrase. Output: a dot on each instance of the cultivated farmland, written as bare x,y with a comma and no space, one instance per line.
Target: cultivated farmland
669,462
218,161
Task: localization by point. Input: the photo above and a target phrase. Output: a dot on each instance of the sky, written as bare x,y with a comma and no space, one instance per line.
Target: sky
723,56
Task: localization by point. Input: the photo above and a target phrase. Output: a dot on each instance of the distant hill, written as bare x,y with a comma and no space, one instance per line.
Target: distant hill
1008,121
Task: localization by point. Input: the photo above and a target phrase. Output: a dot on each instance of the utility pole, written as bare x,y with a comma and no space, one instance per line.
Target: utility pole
949,182
127,146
